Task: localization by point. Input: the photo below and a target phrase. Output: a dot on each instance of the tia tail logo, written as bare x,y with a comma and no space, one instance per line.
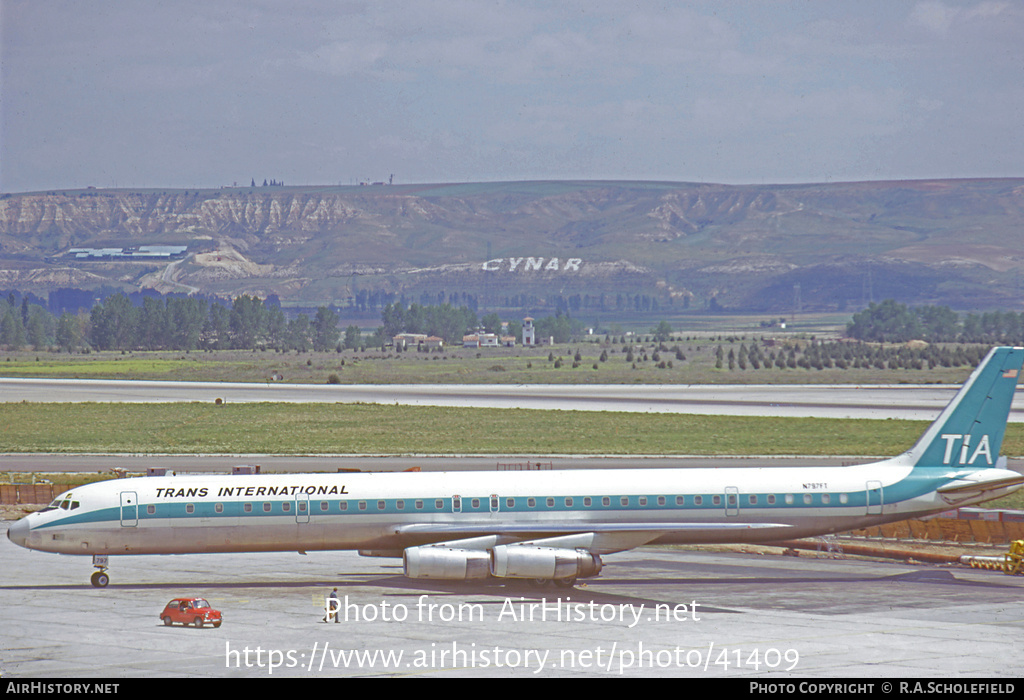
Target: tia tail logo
951,443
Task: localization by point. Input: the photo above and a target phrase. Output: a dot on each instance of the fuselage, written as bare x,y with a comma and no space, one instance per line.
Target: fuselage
392,511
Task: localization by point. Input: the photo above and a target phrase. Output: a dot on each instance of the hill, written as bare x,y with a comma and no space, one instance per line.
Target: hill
582,246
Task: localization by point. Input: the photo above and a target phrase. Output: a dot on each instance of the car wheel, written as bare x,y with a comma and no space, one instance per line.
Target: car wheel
216,624
198,622
167,620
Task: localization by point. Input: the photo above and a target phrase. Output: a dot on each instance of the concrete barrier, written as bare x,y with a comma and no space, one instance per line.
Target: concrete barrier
17,494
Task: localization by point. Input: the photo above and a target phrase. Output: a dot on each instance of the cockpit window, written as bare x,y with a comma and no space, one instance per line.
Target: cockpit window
62,502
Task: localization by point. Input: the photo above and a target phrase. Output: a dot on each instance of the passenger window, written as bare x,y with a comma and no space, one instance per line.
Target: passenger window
247,507
661,500
716,500
362,505
826,499
400,505
680,500
266,507
752,499
342,505
419,505
380,505
568,502
844,498
587,501
219,507
325,506
698,500
531,502
510,503
771,499
190,508
150,510
807,499
476,504
606,501
286,506
624,501
789,499
643,500
439,504
551,503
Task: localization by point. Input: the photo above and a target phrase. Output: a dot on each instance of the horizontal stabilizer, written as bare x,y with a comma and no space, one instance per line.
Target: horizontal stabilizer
969,486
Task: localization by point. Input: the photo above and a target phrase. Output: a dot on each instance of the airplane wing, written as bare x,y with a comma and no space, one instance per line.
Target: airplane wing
573,528
599,538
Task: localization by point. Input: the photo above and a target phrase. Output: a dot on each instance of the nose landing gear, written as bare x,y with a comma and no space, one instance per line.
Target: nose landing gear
100,579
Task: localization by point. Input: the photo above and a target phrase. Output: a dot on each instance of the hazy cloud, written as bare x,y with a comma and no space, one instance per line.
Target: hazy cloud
144,93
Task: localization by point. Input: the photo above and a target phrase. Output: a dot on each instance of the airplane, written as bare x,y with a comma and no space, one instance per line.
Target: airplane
542,526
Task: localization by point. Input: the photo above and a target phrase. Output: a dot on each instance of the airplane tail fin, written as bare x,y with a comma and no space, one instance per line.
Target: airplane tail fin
969,431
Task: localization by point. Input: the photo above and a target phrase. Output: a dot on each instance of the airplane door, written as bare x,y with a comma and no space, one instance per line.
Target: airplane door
129,509
874,497
732,501
302,509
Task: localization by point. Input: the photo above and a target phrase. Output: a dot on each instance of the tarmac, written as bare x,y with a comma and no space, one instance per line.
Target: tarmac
676,612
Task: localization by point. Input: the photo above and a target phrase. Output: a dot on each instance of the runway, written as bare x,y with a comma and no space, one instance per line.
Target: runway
653,612
910,402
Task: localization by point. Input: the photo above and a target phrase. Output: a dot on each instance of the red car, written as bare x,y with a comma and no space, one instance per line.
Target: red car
190,611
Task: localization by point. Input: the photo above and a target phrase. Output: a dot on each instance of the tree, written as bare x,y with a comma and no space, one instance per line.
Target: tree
353,337
663,332
68,334
114,324
888,321
325,329
248,322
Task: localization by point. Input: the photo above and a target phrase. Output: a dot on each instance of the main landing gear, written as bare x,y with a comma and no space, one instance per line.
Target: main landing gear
100,579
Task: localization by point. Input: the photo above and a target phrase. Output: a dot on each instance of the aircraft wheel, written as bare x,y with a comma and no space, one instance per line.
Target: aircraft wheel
565,582
100,579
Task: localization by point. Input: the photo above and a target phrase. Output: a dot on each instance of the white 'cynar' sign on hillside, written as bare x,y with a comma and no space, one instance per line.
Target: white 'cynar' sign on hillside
525,264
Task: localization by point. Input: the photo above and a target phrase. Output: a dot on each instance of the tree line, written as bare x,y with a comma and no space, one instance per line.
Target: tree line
891,322
115,323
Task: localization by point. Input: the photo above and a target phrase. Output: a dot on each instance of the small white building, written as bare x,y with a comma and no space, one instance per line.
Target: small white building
529,333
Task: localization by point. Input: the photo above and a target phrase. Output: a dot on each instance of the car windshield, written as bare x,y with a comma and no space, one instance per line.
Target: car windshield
200,603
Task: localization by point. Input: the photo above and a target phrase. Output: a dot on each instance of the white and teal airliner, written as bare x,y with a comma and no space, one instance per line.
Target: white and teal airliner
542,525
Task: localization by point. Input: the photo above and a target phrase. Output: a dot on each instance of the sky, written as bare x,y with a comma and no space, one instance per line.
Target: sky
211,93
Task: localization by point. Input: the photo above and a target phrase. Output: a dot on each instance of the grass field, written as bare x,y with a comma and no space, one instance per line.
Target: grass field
545,365
271,428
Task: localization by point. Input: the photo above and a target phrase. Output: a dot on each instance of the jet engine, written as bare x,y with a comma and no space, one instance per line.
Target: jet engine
527,561
446,563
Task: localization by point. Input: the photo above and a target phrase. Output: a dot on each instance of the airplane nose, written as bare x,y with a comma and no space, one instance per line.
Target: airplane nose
18,532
